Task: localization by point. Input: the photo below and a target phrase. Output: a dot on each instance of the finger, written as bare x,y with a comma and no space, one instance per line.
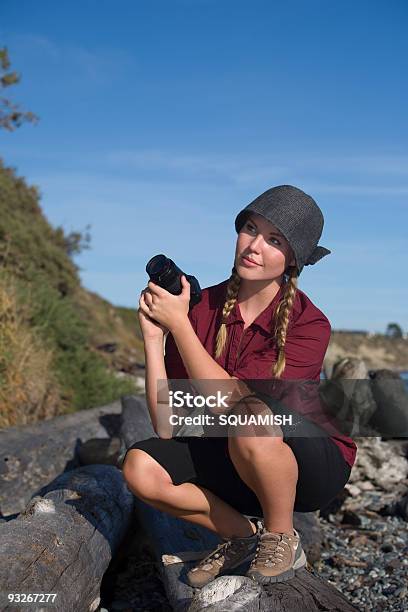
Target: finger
156,289
141,313
148,298
143,306
185,284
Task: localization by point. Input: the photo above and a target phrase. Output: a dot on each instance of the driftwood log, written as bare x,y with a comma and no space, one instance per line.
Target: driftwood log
33,455
135,424
65,539
347,395
305,593
391,397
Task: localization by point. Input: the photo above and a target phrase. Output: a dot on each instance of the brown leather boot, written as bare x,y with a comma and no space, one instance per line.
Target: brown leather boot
277,557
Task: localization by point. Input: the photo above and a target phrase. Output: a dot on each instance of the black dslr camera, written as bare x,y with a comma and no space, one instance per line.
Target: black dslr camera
164,272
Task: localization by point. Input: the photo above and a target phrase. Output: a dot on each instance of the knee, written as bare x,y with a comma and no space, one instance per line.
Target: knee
251,447
144,476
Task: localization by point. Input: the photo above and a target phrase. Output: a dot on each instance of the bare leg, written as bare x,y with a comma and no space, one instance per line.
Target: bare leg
267,466
149,481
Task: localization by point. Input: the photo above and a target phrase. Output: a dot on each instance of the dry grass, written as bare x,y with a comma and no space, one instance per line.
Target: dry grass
28,390
377,351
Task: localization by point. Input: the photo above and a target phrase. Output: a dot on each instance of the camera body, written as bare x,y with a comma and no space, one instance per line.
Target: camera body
164,272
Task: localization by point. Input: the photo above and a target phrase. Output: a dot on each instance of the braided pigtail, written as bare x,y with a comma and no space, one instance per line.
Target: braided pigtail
282,320
231,298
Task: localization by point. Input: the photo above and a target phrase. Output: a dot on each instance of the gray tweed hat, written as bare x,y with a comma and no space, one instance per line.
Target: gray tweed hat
296,215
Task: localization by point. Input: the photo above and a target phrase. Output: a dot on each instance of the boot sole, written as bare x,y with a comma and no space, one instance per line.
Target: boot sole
290,573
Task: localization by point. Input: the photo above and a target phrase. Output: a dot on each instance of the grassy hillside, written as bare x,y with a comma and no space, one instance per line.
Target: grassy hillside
50,326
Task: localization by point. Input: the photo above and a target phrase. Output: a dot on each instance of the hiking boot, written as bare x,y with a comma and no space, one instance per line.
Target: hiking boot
277,557
228,556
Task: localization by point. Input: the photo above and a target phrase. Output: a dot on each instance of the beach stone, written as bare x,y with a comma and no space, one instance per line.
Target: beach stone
353,490
397,508
393,564
401,592
366,485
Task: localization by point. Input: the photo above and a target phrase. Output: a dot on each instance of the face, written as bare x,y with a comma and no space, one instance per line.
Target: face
263,244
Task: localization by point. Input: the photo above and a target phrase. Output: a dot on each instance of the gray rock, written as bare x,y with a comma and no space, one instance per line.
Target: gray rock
379,462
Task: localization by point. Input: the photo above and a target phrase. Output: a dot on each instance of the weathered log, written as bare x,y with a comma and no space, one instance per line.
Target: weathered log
390,394
178,545
135,423
102,451
306,593
347,395
66,537
106,451
32,455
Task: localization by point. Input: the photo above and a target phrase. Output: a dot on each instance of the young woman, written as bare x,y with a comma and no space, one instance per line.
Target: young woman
257,326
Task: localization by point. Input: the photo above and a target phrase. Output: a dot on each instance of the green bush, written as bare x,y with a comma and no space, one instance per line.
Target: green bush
86,377
82,374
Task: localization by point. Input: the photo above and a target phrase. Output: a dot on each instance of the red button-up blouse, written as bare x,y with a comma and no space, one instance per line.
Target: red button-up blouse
250,353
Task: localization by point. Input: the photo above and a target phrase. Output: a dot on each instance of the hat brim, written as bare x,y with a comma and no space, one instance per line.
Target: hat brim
240,219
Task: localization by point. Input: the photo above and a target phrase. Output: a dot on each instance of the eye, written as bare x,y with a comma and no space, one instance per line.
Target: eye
250,227
275,241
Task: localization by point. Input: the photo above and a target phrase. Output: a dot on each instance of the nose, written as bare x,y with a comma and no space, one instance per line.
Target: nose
255,244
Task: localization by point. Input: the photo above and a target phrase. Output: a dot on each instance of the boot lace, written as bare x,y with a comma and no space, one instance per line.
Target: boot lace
227,549
271,550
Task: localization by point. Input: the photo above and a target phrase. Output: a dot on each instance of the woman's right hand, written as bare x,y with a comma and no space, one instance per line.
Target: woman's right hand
151,329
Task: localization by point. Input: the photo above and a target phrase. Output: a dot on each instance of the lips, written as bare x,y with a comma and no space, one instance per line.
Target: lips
249,261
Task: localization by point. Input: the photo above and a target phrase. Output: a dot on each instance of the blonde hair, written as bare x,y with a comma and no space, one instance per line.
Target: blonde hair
281,317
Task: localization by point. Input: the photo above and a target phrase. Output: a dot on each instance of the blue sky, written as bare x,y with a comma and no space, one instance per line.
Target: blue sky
160,120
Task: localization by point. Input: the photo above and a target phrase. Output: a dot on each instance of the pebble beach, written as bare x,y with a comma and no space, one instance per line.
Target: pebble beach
368,560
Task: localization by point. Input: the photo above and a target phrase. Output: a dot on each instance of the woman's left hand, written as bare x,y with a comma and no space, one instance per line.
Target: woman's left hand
164,307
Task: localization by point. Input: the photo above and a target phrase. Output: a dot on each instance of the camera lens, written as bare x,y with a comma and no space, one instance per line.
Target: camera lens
156,265
164,272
